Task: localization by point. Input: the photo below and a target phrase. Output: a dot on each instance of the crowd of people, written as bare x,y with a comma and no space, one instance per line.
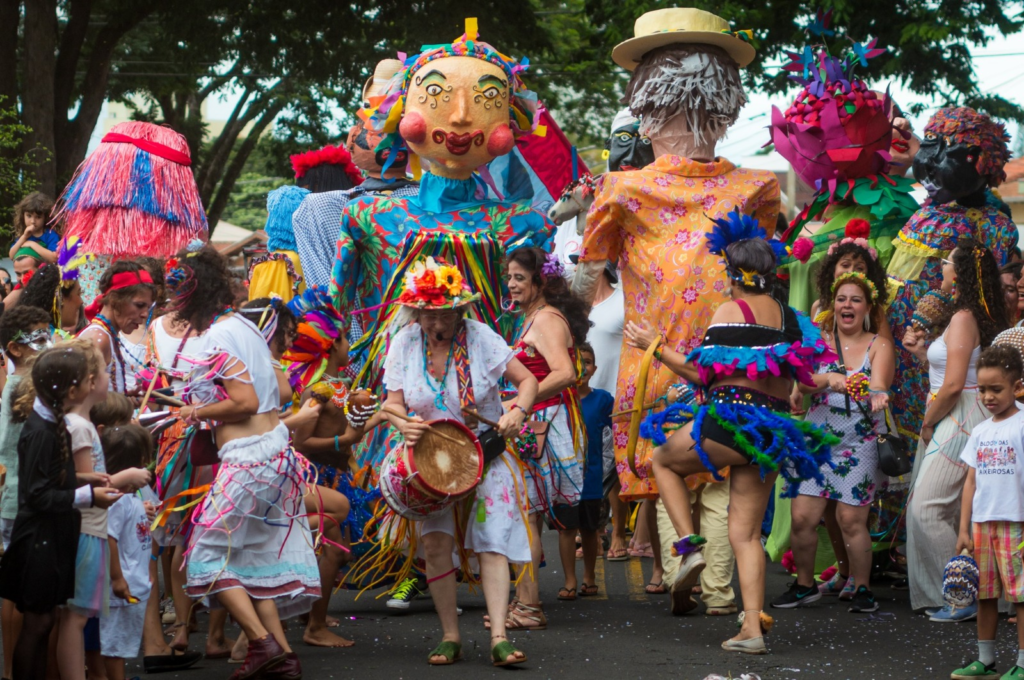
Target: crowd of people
422,372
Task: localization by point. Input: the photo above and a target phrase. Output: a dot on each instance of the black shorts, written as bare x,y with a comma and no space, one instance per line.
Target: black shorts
585,516
711,429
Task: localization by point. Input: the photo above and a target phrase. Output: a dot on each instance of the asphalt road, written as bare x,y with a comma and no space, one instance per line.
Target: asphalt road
624,633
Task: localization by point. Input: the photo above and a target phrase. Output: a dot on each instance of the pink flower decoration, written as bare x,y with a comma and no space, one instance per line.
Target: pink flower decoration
802,249
690,295
632,205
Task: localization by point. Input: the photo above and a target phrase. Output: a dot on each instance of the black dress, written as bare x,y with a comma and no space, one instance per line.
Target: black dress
37,572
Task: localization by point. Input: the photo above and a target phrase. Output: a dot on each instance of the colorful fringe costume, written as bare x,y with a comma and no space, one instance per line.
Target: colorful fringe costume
756,425
134,195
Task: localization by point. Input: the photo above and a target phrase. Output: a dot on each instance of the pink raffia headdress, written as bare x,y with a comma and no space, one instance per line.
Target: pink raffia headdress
134,195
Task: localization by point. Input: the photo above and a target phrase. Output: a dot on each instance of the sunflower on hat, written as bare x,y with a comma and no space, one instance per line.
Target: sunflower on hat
435,284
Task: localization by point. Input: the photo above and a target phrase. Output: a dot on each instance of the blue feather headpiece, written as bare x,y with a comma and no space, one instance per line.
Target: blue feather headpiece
735,227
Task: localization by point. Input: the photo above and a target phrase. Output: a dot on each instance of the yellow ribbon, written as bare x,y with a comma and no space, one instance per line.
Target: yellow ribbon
162,517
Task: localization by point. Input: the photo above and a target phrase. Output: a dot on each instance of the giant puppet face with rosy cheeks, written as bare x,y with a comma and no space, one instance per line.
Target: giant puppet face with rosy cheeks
456,115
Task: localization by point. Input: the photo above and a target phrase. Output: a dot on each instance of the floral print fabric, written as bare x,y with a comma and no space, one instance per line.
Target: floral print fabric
856,478
653,222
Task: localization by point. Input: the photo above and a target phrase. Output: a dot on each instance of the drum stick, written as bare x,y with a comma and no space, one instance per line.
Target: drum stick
407,419
149,391
479,417
171,401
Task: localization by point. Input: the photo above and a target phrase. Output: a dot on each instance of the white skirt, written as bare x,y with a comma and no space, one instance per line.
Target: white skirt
251,532
496,517
556,477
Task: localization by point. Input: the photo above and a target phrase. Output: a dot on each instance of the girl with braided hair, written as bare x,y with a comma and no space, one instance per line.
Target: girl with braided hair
38,570
954,408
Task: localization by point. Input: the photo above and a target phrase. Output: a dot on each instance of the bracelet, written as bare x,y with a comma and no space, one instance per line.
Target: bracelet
337,444
657,354
878,391
525,412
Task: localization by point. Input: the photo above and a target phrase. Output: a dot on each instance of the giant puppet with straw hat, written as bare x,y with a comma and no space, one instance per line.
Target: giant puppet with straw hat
685,89
134,196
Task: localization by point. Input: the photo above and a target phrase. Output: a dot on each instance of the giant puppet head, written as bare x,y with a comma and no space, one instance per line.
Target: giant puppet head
837,128
626,148
364,142
962,152
686,85
458,105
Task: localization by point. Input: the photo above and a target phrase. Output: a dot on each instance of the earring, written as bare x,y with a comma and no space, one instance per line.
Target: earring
867,323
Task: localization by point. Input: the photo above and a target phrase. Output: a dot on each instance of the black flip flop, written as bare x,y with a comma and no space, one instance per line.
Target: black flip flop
170,662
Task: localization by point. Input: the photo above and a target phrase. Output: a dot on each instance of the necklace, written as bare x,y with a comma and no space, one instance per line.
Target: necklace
115,352
339,387
428,363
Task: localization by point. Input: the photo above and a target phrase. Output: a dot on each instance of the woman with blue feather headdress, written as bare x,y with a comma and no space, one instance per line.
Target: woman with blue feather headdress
751,354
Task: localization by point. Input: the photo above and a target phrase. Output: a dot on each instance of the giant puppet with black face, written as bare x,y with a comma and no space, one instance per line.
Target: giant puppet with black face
686,91
458,106
960,159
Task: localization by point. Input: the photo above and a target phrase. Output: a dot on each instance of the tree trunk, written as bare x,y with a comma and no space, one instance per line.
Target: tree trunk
37,94
234,170
9,17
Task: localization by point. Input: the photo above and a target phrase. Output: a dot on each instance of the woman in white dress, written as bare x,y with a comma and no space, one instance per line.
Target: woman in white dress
425,374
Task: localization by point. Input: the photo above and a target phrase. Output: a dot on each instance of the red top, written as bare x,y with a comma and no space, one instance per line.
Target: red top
536,364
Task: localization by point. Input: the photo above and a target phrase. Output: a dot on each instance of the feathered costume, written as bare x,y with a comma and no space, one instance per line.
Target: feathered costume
759,426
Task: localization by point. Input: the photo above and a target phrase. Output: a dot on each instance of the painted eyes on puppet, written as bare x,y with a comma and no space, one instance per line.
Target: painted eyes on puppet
434,89
625,137
646,141
930,136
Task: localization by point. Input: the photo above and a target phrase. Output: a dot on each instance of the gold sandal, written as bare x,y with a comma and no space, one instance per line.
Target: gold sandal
525,617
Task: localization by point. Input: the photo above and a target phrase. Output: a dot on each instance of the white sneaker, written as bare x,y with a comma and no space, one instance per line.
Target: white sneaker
688,574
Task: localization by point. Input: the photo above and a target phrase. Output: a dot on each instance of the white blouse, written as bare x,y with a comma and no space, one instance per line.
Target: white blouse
241,340
405,370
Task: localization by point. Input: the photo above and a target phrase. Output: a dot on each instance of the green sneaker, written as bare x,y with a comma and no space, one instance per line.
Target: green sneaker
977,669
1015,673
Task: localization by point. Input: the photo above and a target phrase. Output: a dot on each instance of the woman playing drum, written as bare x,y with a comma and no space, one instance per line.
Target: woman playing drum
437,366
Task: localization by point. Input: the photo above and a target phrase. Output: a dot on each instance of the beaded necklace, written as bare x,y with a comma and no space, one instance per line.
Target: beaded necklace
340,389
428,362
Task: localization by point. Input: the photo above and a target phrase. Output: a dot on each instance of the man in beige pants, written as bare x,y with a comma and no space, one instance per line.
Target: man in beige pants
711,501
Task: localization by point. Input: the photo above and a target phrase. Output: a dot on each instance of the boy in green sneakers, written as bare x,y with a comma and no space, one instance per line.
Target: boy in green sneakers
992,509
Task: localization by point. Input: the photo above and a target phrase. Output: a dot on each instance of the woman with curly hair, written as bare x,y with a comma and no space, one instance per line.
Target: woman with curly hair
954,408
853,254
555,322
249,547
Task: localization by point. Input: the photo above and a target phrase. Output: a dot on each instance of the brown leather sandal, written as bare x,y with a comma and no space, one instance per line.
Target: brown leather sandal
525,617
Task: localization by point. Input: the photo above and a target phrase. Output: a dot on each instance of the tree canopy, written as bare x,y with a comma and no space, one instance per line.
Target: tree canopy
290,68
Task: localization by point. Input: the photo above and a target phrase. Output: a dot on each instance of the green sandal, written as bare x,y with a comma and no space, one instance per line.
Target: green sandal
451,651
501,651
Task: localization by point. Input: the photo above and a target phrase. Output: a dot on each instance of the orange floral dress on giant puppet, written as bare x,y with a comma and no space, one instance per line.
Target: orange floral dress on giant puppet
653,221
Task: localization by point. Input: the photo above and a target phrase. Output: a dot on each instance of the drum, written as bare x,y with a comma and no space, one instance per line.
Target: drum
426,480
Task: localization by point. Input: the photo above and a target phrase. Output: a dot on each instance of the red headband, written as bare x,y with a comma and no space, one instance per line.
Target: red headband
120,280
155,148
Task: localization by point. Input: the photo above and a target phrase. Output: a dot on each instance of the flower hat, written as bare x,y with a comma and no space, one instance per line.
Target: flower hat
434,284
